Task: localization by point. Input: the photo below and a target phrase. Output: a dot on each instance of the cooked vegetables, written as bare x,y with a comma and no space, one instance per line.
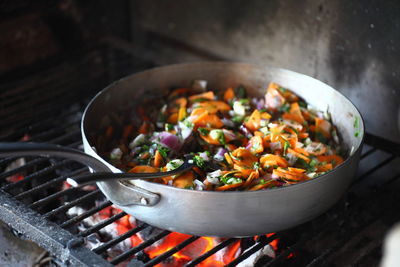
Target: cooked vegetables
237,142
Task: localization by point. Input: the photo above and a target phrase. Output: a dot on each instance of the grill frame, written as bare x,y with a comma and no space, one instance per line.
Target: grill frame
69,248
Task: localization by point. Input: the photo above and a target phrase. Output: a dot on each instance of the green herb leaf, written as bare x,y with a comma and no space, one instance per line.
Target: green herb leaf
199,161
221,139
286,146
168,127
203,131
163,151
256,165
241,92
285,107
230,180
262,181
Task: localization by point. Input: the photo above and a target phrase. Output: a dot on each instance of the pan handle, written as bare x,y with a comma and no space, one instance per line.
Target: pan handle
113,190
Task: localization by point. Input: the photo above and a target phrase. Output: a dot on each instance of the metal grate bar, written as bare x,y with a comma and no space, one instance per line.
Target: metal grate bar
37,174
102,224
72,203
171,252
29,164
120,238
120,258
212,251
51,197
86,214
377,167
369,152
48,184
37,126
265,241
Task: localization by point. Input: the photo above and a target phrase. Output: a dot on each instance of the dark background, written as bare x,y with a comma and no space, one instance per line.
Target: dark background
351,45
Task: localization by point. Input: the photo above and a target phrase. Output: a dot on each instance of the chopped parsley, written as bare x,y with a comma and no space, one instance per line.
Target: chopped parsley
262,181
199,161
256,165
241,92
285,107
230,180
168,127
286,146
163,151
203,131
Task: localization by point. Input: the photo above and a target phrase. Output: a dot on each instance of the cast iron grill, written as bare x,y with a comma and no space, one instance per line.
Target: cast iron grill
35,205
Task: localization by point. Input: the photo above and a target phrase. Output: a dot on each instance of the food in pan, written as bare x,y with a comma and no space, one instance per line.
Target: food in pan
237,142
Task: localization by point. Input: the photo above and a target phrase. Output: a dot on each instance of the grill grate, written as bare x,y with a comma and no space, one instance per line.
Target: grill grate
36,206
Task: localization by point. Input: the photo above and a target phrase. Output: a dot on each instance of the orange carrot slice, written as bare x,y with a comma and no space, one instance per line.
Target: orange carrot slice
272,160
294,113
184,180
158,160
256,143
228,187
274,99
229,94
253,123
334,159
323,126
143,169
206,95
214,106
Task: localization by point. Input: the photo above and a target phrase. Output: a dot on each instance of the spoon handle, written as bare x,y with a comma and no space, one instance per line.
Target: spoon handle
107,176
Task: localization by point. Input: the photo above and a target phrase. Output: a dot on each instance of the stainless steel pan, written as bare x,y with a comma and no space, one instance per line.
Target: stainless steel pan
226,214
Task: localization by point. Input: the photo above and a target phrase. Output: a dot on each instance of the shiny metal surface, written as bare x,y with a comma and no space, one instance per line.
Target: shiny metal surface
227,214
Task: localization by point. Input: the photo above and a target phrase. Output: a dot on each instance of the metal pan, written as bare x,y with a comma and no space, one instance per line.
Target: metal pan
225,214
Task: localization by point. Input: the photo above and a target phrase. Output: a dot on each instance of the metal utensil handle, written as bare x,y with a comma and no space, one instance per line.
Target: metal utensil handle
19,149
135,195
106,176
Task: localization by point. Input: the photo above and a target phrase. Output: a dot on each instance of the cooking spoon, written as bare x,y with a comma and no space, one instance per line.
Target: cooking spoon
37,149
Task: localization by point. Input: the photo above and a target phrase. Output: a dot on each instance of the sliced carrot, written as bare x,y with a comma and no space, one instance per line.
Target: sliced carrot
273,98
228,158
265,115
256,143
200,117
184,180
228,187
302,135
209,120
253,123
143,169
336,159
210,140
258,133
128,129
182,102
253,175
267,184
109,132
173,118
325,167
294,113
182,113
272,160
158,159
180,91
323,126
296,170
144,128
244,157
244,170
299,155
145,155
206,95
229,94
302,151
288,174
214,106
